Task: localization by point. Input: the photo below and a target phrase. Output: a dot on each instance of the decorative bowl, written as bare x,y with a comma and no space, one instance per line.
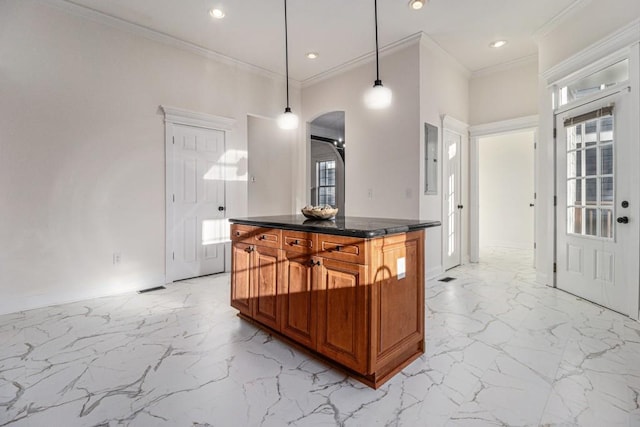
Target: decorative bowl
319,212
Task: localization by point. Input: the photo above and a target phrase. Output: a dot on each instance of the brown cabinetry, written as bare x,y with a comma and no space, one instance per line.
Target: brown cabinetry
298,315
342,313
254,282
356,303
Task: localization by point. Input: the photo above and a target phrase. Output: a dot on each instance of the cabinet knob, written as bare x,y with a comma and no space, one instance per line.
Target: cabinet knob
249,249
313,263
237,233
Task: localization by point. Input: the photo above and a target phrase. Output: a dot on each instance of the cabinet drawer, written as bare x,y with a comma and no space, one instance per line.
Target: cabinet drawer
298,241
268,237
341,248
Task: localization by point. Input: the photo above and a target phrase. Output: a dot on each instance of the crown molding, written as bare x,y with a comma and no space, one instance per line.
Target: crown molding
558,19
191,118
360,60
103,18
453,124
504,126
614,42
420,37
505,66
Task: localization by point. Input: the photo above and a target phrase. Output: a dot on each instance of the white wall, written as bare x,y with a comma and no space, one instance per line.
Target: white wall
383,145
270,171
444,90
506,190
504,94
385,149
82,150
590,24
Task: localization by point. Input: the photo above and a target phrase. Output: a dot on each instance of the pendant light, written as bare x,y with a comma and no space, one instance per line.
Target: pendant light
287,120
377,97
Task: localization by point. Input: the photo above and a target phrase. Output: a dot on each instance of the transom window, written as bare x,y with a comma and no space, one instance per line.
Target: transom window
326,171
590,174
593,83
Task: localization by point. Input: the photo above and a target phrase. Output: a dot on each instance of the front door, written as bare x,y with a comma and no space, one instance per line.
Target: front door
452,187
596,212
199,225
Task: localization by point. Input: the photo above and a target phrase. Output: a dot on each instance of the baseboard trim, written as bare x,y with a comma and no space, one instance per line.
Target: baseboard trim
32,302
542,279
434,272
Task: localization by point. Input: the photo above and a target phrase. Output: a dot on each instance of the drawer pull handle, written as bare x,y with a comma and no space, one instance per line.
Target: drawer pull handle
313,263
249,249
336,248
295,242
263,237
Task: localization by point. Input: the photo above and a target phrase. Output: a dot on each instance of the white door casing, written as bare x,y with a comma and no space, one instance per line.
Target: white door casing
478,132
196,229
597,252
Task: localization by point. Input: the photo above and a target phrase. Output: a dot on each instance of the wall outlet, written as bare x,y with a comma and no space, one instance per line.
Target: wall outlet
117,258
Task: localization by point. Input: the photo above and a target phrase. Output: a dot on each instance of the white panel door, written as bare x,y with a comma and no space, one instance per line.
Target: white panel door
597,213
451,188
199,223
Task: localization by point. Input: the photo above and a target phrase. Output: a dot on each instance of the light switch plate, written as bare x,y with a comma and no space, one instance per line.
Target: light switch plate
401,268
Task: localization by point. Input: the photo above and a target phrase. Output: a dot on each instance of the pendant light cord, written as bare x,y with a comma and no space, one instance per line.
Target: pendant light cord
375,9
286,50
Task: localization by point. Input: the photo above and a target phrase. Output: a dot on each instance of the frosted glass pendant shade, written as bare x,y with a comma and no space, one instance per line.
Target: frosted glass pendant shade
378,96
287,120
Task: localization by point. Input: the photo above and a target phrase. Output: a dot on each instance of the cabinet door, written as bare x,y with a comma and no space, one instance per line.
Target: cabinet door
342,313
266,268
241,294
397,295
298,301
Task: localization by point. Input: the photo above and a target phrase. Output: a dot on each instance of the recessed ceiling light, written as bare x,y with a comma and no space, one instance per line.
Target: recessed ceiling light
417,4
312,55
498,43
216,13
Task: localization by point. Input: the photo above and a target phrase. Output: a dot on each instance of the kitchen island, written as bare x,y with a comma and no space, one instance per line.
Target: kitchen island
350,291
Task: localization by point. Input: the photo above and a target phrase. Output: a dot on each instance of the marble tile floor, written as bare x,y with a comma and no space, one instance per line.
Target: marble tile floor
501,350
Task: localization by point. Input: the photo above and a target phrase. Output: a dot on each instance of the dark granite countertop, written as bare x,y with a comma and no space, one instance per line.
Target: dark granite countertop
341,226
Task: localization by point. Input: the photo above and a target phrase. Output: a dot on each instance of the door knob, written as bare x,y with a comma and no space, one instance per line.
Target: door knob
623,220
220,208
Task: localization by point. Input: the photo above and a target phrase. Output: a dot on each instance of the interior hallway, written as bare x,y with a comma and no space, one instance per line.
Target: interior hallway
501,350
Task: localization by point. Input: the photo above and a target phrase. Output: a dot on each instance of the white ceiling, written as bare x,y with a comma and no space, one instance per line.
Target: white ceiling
341,30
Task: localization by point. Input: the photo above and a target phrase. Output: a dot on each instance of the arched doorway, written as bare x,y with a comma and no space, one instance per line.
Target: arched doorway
327,160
